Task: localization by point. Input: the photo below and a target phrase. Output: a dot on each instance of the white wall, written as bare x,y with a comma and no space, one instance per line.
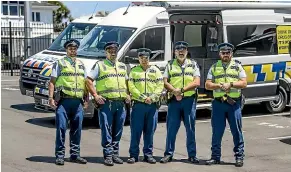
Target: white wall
46,15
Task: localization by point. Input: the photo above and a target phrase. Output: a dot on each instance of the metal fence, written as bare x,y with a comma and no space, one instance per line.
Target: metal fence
19,42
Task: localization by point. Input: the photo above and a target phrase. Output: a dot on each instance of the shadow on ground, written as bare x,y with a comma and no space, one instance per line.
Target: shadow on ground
49,122
100,160
29,107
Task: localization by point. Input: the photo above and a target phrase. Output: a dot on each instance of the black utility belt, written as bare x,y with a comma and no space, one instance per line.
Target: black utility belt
65,96
115,99
228,100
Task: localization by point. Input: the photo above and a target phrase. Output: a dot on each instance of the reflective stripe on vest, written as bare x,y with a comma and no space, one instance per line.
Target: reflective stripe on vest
179,78
231,74
111,81
71,80
143,84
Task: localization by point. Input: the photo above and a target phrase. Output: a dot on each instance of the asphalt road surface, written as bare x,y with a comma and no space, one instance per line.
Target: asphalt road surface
28,137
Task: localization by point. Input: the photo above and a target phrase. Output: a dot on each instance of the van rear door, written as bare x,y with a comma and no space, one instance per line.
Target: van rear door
203,30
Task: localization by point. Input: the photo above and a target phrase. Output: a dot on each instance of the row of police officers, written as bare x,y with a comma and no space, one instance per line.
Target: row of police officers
70,86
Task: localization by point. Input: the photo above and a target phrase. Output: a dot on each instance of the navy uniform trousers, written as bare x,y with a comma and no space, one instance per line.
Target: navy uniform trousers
185,110
143,119
112,116
69,109
220,112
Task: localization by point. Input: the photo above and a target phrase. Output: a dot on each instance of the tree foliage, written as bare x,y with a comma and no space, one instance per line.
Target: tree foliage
61,14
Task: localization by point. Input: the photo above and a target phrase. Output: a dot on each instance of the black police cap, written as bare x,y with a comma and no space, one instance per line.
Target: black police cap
72,43
111,44
144,52
181,44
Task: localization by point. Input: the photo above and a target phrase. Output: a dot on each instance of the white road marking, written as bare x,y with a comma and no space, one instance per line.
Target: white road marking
249,117
12,89
8,80
275,138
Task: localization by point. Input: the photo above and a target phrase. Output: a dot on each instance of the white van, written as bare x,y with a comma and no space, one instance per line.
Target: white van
32,66
251,27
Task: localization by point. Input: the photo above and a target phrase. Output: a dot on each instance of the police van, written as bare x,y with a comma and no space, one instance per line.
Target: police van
259,31
32,66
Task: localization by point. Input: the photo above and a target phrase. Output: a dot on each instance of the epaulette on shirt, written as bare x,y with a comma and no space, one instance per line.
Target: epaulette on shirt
237,61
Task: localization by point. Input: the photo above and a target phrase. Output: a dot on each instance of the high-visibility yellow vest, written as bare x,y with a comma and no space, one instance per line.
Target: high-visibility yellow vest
179,78
231,74
111,80
143,84
71,80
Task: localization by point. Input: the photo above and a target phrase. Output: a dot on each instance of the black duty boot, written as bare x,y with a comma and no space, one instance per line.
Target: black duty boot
150,159
108,161
194,160
132,160
117,160
239,163
167,158
212,161
79,160
60,161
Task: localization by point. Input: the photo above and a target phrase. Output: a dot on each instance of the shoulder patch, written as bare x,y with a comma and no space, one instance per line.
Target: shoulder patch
237,61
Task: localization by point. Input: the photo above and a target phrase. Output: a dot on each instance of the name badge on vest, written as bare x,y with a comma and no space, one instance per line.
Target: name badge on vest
121,67
81,67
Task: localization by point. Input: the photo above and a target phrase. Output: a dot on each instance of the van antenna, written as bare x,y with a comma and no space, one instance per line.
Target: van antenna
93,12
125,12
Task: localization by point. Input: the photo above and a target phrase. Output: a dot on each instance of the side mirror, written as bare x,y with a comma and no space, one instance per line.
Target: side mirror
53,40
131,56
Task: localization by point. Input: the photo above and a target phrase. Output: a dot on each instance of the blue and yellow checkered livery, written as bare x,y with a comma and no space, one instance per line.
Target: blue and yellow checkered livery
268,72
46,72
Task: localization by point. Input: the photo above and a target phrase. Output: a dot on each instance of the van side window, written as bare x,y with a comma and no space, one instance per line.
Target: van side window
192,35
253,40
153,39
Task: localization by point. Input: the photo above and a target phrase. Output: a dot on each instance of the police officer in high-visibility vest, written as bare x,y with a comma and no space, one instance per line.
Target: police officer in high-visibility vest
68,78
110,94
145,85
226,78
181,78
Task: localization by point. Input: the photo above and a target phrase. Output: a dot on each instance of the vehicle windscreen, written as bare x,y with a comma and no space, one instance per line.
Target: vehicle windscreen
72,31
93,44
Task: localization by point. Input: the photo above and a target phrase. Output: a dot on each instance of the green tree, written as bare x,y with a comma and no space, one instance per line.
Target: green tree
61,14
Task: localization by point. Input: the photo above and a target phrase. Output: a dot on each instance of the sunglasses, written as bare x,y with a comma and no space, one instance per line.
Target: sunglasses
225,53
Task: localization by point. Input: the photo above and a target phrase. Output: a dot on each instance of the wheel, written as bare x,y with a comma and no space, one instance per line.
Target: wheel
279,105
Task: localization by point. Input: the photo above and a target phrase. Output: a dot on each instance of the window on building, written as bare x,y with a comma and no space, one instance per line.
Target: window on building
5,9
32,16
153,39
13,8
253,40
35,16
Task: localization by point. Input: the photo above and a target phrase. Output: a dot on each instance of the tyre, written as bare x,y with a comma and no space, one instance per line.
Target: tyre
277,106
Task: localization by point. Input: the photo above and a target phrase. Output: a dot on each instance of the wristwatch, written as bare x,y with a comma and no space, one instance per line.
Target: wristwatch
231,84
182,90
